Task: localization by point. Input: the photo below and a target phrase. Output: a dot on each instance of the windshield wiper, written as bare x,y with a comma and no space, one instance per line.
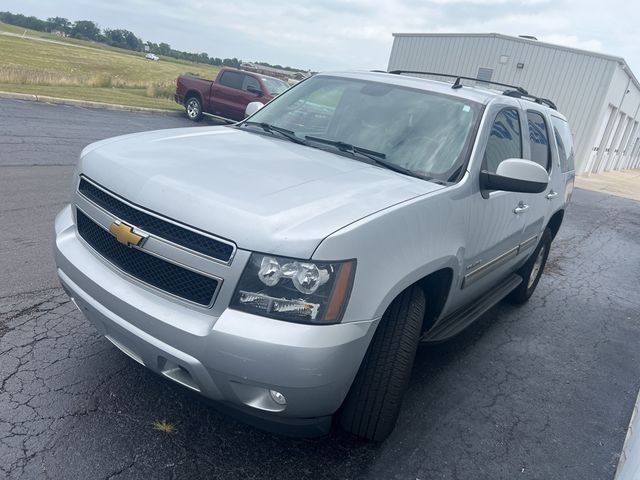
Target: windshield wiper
377,158
282,131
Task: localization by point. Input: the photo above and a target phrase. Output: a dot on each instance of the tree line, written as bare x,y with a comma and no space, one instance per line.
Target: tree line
121,38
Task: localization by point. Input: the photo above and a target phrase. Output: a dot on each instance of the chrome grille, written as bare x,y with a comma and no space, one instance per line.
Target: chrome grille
149,269
150,223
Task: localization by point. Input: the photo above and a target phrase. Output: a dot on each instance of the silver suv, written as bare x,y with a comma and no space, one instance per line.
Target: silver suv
288,266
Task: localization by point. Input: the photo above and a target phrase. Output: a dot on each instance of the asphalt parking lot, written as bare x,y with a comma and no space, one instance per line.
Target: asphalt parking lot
544,391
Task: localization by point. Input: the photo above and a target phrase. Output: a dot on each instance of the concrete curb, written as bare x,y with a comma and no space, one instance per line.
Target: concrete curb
629,464
85,103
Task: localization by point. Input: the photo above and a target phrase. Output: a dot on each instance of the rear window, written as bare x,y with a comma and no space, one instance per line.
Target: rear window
564,140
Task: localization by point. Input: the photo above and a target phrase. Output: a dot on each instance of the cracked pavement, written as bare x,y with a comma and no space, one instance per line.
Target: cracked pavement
543,391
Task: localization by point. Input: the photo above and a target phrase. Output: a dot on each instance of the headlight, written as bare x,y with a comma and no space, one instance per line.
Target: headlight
295,290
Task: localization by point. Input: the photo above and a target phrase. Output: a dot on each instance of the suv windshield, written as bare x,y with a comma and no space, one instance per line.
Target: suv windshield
275,87
421,131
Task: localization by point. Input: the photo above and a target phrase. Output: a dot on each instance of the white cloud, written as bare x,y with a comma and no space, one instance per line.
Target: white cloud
574,42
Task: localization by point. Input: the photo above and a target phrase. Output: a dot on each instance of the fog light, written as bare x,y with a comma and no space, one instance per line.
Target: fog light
278,397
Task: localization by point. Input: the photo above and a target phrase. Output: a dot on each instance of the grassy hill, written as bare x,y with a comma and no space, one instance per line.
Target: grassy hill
45,64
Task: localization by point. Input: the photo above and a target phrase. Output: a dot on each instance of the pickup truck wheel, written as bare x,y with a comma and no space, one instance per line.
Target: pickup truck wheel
532,271
373,403
193,108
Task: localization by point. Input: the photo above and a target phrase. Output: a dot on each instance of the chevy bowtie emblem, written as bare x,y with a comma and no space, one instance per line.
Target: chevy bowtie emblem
124,234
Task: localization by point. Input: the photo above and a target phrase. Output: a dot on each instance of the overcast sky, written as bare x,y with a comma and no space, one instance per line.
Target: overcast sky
336,34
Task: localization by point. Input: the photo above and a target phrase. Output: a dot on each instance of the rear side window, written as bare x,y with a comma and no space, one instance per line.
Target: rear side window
251,83
539,139
232,79
505,140
564,140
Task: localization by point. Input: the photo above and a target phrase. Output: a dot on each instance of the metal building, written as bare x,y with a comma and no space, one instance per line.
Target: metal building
598,93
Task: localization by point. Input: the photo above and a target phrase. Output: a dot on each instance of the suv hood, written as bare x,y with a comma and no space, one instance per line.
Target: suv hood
261,192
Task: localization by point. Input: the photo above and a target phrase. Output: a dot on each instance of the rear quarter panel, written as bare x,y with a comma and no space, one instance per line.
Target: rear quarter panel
187,84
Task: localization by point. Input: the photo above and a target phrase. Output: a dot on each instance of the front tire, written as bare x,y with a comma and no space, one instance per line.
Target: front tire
193,107
372,406
532,271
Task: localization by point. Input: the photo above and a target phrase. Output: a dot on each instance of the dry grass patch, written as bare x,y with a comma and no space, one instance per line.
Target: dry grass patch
87,71
164,426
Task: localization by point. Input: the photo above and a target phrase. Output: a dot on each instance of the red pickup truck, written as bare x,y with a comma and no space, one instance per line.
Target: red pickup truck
228,95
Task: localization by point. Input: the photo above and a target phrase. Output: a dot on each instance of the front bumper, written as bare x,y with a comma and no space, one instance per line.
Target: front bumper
235,357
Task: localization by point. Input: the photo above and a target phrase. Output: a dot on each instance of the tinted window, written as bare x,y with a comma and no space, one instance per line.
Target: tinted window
539,140
565,143
251,83
505,140
232,79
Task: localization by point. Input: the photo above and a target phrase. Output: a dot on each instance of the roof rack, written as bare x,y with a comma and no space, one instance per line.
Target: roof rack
457,83
518,92
539,100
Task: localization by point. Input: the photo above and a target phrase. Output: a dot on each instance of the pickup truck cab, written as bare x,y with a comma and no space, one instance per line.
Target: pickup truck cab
288,266
228,95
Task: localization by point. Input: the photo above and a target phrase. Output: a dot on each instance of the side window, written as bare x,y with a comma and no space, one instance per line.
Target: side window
232,80
251,84
565,144
505,140
539,139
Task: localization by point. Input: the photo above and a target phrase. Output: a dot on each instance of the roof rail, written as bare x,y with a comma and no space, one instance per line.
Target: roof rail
539,100
518,92
457,83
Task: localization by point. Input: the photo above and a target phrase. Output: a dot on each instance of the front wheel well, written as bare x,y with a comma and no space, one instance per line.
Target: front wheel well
555,222
436,287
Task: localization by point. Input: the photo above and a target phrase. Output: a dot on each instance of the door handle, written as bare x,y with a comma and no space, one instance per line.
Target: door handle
551,195
521,208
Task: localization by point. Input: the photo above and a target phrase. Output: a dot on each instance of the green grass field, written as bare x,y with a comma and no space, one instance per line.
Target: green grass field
82,70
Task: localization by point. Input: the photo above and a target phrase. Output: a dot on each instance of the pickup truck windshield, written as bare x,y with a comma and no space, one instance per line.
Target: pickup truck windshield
275,87
420,131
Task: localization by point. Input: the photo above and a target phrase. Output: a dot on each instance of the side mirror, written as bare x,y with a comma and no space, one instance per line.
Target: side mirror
255,91
516,175
252,108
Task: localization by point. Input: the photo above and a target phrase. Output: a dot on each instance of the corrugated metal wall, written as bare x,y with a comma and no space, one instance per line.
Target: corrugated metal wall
582,85
614,143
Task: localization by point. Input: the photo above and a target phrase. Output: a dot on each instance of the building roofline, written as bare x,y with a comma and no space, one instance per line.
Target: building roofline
621,61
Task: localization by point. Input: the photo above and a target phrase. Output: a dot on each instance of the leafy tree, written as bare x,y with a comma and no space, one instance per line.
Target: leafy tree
59,24
86,29
115,38
122,39
132,42
20,20
231,62
164,48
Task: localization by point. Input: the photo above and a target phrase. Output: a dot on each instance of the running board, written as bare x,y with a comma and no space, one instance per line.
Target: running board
462,318
228,121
